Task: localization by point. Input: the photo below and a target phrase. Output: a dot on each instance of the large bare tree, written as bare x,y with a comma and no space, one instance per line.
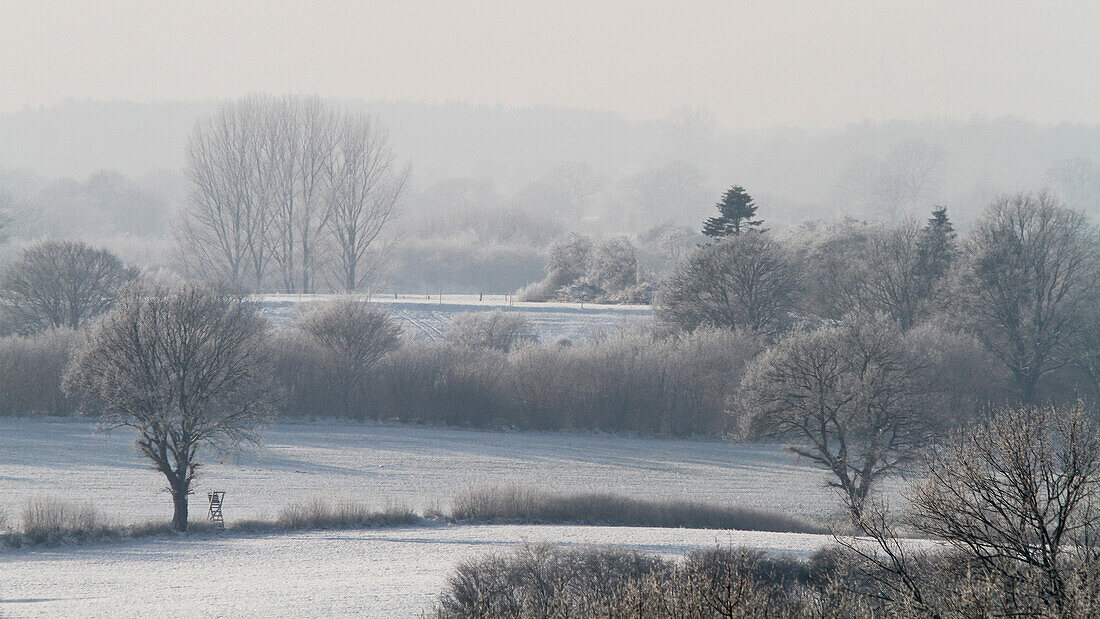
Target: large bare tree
852,398
185,369
906,271
365,187
279,183
1018,494
302,134
1033,277
60,284
224,231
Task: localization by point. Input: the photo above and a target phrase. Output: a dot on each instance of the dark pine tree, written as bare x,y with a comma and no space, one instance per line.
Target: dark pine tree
736,212
937,246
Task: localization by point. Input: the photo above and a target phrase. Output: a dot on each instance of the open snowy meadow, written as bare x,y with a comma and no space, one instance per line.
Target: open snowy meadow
381,464
426,317
378,572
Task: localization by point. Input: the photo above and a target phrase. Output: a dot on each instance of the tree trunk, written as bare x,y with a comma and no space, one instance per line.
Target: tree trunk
1027,385
179,501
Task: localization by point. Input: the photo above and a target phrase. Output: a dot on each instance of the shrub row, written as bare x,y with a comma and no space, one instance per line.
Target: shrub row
634,381
515,504
547,581
31,370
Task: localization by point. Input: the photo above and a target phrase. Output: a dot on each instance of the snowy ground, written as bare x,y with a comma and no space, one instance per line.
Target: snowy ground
381,572
427,317
415,466
375,573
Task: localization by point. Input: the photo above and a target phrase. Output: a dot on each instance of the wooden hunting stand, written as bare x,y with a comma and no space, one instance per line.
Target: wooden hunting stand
216,499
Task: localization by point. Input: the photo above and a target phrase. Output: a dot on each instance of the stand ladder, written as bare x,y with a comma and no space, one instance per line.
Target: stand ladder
216,499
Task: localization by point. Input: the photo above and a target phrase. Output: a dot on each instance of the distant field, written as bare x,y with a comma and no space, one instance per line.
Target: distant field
427,317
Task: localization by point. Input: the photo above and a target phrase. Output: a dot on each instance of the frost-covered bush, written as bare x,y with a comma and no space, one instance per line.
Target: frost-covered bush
44,517
580,271
613,265
496,330
569,257
581,291
439,383
548,581
31,369
638,294
343,514
513,503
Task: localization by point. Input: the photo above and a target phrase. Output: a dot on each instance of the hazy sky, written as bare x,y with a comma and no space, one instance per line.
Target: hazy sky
751,64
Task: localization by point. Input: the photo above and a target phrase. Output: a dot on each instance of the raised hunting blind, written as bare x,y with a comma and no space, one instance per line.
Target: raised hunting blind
216,499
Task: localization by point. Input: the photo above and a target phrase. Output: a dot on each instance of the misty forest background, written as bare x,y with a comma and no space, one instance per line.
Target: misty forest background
491,188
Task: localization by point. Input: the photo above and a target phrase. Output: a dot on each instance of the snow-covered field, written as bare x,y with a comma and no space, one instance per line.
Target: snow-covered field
427,317
416,466
375,573
380,572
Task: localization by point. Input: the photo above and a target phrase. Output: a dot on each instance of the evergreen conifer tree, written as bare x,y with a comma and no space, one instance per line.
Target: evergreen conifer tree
937,246
737,210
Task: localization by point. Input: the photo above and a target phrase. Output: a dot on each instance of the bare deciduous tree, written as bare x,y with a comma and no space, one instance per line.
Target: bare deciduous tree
892,281
224,231
833,258
185,369
889,188
302,138
747,281
279,182
1034,273
1087,343
906,272
60,284
614,265
852,397
1018,495
365,188
569,258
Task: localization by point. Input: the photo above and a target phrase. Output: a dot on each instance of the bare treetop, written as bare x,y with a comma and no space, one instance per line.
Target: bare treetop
285,191
60,284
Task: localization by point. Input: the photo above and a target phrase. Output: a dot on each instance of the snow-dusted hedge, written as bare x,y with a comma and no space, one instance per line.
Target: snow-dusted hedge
629,382
636,381
30,372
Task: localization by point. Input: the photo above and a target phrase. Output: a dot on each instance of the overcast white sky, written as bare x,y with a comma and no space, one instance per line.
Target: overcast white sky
751,64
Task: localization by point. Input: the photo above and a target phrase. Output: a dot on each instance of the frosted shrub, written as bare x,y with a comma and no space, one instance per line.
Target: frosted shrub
344,513
48,516
30,372
496,330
